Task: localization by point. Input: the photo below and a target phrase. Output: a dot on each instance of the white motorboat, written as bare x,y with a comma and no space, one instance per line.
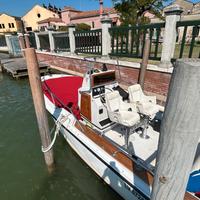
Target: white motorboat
115,132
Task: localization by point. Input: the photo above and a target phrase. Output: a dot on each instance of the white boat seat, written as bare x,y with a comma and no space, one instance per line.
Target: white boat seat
119,111
145,104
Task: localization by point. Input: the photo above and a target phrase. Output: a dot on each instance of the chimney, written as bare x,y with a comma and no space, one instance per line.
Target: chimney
101,7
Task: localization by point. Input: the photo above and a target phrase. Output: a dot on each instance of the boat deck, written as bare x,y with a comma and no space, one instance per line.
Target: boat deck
145,149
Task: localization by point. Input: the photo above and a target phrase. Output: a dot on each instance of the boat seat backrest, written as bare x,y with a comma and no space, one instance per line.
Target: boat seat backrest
113,100
135,93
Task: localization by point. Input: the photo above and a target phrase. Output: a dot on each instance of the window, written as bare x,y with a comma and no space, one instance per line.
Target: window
92,24
9,25
0,26
3,26
114,23
42,28
12,25
29,28
38,15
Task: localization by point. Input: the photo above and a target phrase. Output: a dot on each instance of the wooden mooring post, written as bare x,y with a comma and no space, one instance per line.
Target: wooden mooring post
38,100
180,132
144,63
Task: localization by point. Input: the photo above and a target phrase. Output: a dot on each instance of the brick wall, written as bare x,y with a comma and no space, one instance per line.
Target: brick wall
156,82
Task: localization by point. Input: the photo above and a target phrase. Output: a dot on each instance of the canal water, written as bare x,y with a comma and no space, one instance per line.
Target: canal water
23,174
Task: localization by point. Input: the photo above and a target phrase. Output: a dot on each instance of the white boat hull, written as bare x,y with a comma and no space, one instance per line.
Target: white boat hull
118,176
121,179
115,175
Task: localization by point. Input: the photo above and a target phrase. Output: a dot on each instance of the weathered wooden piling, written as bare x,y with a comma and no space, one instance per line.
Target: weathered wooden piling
144,63
179,133
27,42
38,100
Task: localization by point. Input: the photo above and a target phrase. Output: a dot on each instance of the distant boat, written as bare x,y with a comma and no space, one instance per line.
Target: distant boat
114,131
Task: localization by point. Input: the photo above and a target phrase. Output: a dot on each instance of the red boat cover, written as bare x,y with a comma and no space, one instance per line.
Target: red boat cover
65,92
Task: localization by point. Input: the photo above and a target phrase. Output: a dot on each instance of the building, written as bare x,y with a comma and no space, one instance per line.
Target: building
52,23
186,5
67,13
36,14
10,24
191,12
92,17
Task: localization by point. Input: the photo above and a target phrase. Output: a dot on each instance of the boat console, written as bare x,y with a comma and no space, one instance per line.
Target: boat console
91,97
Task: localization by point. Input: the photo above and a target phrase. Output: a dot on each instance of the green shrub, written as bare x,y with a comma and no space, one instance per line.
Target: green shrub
198,41
82,27
63,28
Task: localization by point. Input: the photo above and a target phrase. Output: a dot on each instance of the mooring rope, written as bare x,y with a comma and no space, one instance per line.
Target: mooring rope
58,124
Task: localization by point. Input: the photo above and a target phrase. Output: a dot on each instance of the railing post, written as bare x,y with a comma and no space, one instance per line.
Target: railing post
106,38
179,134
21,43
172,14
37,40
27,41
51,41
1,66
72,43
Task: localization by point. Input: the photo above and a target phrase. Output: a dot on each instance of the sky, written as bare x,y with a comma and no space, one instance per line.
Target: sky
20,7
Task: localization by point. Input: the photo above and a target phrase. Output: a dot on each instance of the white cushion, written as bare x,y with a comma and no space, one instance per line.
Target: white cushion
129,118
119,111
148,108
145,104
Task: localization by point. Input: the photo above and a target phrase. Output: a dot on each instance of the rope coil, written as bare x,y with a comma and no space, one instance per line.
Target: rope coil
58,124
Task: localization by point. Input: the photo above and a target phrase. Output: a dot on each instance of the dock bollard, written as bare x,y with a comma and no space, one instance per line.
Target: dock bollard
179,134
38,100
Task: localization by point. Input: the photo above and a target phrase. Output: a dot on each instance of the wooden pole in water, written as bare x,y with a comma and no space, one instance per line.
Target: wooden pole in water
26,37
179,133
144,63
38,100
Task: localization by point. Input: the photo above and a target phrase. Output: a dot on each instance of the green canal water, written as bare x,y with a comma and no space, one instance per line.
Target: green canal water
23,174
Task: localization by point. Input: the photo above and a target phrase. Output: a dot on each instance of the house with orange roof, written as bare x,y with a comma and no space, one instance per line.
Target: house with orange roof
93,17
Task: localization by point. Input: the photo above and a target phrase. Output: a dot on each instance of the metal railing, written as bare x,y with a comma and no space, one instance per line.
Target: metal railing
89,41
44,41
130,41
61,41
188,40
2,41
32,40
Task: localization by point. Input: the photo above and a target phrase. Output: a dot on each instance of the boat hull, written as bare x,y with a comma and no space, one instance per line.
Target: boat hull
109,173
115,174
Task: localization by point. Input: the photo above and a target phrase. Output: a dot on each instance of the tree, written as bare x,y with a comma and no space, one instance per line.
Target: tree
133,11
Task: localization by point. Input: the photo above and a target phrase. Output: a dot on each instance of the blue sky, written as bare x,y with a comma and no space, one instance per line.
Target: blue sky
20,7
